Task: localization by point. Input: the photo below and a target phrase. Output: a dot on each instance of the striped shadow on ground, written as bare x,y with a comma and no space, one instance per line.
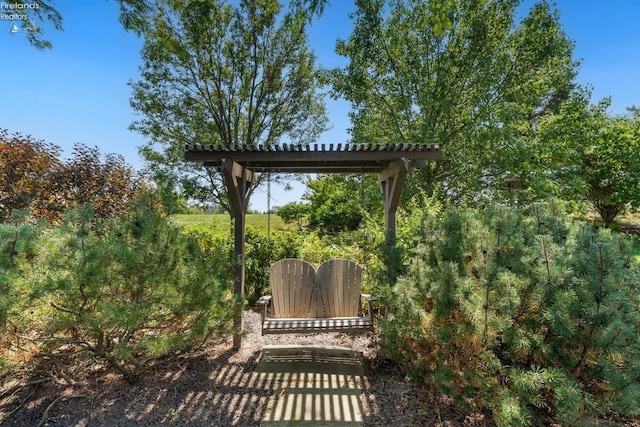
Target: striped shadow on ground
319,386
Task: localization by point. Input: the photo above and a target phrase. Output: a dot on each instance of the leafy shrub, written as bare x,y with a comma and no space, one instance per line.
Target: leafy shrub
338,202
525,313
261,251
32,177
293,212
129,290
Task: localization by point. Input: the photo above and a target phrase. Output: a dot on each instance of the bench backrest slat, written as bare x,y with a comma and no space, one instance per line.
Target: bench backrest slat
338,287
292,282
298,291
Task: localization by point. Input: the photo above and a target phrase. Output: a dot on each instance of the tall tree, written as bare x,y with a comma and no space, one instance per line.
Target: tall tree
458,73
216,73
601,156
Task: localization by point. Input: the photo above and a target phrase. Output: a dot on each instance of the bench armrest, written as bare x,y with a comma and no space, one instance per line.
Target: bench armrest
264,302
368,298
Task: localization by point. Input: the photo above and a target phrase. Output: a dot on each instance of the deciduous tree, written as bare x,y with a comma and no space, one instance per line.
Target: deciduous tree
611,166
458,73
339,202
596,156
34,178
216,73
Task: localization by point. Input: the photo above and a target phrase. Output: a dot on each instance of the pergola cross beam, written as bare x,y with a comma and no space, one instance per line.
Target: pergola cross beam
392,163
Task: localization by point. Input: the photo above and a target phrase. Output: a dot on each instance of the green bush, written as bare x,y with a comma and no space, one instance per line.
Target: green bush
129,290
18,246
525,313
261,251
293,213
339,202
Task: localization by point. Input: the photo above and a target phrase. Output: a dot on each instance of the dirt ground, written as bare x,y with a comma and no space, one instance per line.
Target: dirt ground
214,387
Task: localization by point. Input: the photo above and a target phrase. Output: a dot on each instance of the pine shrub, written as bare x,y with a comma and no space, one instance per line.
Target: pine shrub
18,239
129,290
523,312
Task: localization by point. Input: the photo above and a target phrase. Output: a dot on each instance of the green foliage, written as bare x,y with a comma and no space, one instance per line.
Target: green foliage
526,313
18,247
462,74
611,166
129,290
339,202
598,154
262,250
214,72
293,212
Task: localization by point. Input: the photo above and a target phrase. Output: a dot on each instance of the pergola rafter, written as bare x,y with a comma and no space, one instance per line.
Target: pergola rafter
392,163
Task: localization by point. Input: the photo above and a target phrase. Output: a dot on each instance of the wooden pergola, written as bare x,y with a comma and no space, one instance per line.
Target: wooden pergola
238,164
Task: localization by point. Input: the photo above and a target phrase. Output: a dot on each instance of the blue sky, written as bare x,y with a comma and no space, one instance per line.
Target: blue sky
77,91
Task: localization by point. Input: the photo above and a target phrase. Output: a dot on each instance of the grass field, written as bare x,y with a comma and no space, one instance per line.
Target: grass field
221,222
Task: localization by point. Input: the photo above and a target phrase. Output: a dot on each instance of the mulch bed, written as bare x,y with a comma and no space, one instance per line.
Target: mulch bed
214,386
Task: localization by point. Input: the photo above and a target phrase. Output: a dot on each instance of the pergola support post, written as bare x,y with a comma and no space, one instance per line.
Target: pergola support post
238,180
391,183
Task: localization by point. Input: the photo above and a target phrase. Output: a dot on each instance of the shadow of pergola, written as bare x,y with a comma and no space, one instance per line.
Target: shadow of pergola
194,391
231,394
317,386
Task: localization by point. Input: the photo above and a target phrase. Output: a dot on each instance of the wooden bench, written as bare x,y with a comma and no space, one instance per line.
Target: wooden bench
304,300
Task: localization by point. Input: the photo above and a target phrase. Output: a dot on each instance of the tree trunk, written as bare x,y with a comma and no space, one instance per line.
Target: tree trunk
608,212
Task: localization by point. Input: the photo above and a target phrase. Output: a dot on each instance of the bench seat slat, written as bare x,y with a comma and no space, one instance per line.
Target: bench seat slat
330,324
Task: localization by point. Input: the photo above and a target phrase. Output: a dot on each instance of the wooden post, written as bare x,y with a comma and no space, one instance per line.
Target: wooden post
391,184
238,181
